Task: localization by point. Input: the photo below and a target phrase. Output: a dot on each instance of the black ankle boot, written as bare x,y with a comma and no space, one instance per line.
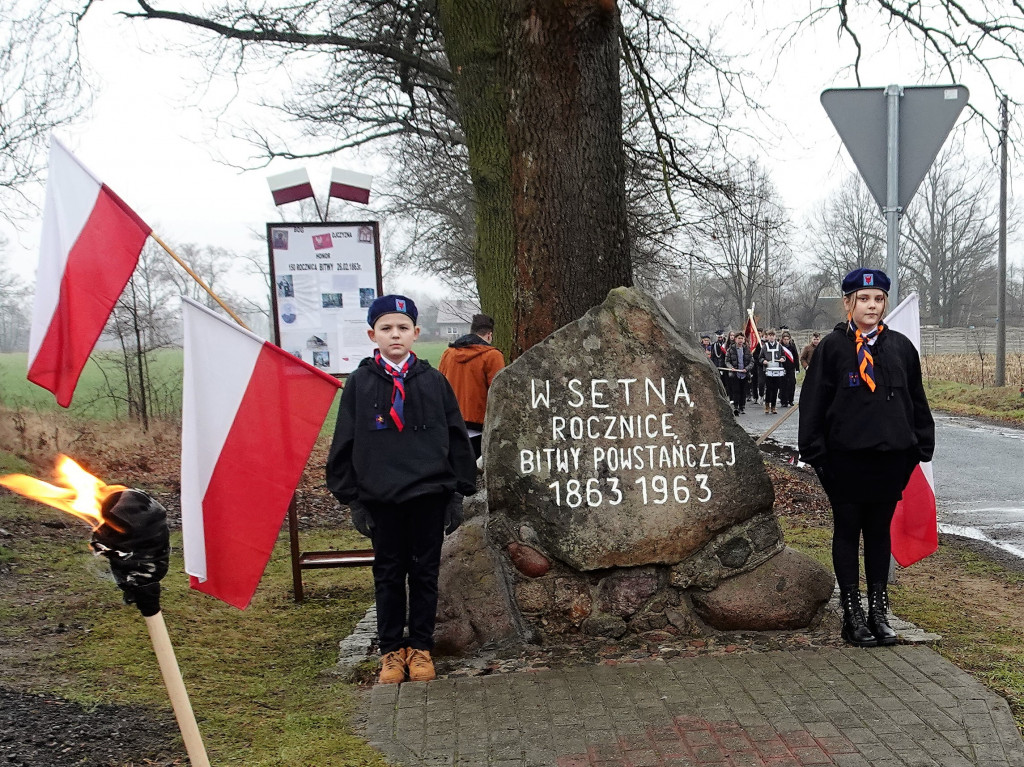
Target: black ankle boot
878,614
855,629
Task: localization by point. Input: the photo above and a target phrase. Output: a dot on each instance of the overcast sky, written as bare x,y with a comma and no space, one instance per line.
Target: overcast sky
154,137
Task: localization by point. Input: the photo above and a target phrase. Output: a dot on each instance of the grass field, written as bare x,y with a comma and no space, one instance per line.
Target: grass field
957,383
100,392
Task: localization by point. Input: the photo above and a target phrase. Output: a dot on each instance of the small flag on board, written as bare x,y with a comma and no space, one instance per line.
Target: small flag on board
351,186
291,186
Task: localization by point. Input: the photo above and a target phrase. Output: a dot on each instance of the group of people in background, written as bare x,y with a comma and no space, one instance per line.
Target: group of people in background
764,372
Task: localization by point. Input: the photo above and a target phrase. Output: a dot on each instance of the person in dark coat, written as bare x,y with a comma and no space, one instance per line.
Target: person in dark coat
740,361
400,459
718,350
864,425
787,392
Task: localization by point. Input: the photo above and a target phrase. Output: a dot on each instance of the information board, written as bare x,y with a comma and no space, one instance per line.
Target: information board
325,278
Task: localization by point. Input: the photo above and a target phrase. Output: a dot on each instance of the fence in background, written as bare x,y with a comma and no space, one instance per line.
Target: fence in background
948,340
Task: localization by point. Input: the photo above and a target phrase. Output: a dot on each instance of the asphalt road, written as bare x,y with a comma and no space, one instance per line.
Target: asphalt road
978,468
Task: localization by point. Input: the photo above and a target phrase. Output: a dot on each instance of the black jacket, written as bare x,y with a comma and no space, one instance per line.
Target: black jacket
732,360
839,412
371,461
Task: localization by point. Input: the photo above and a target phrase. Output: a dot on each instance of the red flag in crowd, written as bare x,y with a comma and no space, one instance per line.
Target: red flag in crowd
242,397
915,533
89,247
750,331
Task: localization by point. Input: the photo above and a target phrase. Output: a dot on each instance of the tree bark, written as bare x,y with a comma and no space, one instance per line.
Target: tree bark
568,179
473,41
538,88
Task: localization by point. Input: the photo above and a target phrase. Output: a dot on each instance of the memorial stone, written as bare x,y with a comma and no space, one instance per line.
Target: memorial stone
621,494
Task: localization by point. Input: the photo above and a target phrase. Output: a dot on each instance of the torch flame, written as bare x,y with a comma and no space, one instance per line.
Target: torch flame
82,494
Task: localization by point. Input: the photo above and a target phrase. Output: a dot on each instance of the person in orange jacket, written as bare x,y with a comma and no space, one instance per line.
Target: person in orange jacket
470,364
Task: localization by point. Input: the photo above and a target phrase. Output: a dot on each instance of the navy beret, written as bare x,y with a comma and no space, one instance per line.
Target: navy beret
865,278
391,304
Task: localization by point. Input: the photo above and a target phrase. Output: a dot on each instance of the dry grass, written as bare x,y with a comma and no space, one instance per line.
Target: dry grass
973,369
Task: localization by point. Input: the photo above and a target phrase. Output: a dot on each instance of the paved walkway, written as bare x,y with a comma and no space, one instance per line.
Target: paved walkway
883,707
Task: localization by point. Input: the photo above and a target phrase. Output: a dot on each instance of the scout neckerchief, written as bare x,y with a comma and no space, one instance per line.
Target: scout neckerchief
398,388
865,361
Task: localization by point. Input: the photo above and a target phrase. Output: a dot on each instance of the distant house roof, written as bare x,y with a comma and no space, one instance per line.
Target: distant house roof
456,312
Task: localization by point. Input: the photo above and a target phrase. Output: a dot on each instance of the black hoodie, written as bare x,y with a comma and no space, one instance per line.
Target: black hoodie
371,460
839,412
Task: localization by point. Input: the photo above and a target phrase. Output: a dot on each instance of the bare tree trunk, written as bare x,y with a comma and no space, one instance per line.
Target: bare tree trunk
139,358
546,157
473,42
568,179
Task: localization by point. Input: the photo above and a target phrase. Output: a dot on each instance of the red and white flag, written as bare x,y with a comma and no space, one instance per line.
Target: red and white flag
915,532
788,353
89,247
291,186
251,413
750,331
349,185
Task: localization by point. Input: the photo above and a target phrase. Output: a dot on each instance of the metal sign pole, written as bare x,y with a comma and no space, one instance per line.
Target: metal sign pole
892,214
893,93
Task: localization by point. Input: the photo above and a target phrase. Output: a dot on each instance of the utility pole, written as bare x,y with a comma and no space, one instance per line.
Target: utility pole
767,282
693,326
1004,124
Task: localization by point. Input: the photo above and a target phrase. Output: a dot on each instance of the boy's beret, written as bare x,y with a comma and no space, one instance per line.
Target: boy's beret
392,304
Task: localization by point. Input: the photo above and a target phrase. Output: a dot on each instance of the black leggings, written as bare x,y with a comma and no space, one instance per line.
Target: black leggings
849,520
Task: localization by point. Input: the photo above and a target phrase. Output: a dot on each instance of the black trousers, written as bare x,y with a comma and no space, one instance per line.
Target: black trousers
739,392
771,390
787,392
407,540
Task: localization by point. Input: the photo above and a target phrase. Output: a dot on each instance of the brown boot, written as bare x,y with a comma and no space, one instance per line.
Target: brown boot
393,667
421,668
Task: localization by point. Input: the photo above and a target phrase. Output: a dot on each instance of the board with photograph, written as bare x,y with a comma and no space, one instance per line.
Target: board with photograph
325,278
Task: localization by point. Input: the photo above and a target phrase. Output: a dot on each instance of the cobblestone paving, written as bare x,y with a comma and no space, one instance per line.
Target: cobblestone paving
891,707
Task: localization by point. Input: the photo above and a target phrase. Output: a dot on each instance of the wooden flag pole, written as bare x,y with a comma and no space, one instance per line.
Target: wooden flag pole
198,279
777,424
176,690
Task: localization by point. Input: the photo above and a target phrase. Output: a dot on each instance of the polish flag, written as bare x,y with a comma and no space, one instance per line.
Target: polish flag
915,532
251,413
349,185
89,247
290,187
750,331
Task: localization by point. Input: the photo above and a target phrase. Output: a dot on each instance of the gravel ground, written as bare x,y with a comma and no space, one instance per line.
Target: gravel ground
44,731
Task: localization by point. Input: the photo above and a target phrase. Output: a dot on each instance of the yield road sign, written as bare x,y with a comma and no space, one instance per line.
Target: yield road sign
927,114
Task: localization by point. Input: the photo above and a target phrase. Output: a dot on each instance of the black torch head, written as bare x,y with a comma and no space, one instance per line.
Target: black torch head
135,538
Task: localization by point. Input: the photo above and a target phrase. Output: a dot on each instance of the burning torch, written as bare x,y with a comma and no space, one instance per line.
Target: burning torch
130,530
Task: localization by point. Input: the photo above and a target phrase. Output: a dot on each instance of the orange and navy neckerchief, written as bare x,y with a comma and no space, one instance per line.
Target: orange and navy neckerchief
398,387
866,362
